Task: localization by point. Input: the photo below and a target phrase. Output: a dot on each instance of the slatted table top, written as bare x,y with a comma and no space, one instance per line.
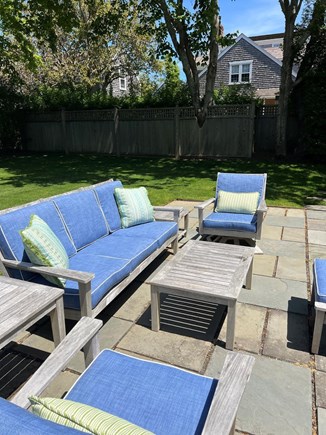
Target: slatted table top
207,268
21,301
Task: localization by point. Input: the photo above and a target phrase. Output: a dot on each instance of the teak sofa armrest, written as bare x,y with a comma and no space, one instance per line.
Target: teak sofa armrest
205,204
262,208
230,388
73,275
175,210
83,335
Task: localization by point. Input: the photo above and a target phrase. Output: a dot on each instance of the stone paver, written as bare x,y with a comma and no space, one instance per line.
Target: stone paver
174,349
280,221
317,251
295,212
287,337
271,232
294,234
133,308
316,214
320,359
277,399
291,268
281,294
282,248
320,381
321,416
264,265
248,328
64,381
315,224
317,237
276,211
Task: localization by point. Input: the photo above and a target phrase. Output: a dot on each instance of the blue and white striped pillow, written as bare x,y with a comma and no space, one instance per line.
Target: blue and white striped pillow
134,206
43,248
83,417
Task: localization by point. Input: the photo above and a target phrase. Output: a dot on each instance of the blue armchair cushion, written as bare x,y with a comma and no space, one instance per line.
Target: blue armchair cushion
83,217
19,421
11,223
44,248
231,202
157,397
134,206
83,417
319,270
240,183
231,221
105,194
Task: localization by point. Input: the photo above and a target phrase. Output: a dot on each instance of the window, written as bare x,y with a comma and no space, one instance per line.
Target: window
123,83
240,72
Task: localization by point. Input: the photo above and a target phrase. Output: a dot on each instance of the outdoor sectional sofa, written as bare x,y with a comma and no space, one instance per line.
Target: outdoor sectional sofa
103,257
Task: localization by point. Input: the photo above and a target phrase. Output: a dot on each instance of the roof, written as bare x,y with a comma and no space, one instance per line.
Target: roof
271,36
251,42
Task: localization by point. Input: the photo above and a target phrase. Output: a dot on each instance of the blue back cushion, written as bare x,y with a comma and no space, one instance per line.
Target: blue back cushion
157,397
11,223
240,183
83,217
19,421
320,278
105,194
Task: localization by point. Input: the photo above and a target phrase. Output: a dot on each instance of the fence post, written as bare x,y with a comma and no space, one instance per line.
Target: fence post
116,127
64,131
252,128
177,132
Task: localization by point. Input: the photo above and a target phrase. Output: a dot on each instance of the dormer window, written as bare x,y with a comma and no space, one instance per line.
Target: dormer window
240,72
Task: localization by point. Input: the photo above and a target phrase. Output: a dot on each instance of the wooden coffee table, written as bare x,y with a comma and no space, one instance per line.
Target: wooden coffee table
23,303
211,272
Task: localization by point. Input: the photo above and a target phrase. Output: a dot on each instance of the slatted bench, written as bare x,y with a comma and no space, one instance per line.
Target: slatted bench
319,289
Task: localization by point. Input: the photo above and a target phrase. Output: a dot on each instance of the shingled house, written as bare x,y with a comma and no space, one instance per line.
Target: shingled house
256,60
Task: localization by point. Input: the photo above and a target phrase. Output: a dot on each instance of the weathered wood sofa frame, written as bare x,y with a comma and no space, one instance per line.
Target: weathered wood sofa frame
221,405
104,258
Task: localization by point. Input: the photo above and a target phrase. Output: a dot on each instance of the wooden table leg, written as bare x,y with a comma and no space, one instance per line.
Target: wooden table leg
230,327
186,224
155,308
57,317
249,275
318,329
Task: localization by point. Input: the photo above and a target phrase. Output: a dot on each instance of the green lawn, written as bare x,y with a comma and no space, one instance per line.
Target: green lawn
27,178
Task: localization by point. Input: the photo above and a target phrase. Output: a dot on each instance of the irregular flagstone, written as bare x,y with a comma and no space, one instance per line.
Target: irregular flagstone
282,248
291,268
248,328
284,221
271,232
277,399
281,294
174,349
320,386
321,416
287,337
264,265
317,237
294,234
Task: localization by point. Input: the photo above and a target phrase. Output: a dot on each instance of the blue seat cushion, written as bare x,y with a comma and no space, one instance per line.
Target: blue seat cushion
231,222
157,397
240,183
83,217
19,421
133,249
159,231
105,194
320,279
12,222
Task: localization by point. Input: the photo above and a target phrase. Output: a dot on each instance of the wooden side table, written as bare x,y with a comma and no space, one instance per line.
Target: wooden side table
23,303
184,216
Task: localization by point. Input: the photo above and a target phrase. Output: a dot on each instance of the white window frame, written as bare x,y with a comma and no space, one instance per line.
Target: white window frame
241,63
122,82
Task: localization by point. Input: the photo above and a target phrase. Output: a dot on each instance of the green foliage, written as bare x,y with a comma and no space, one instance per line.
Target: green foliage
236,94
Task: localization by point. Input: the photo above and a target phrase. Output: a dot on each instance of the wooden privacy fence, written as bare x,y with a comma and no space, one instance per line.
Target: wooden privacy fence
227,132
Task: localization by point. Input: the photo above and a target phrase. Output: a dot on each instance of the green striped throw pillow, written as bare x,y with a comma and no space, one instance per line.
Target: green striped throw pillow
134,206
83,417
232,202
44,248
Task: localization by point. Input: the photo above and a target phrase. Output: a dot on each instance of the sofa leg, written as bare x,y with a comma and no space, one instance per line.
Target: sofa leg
175,245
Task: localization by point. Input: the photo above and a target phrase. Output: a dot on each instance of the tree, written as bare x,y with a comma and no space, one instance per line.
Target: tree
193,32
290,9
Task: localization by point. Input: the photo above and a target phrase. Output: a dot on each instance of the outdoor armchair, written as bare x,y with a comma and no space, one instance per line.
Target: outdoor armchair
233,215
157,397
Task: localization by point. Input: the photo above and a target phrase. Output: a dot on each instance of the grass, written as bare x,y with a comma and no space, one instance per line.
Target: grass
30,177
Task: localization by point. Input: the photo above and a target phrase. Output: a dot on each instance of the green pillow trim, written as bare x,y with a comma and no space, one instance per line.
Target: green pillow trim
43,248
233,202
83,417
134,206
